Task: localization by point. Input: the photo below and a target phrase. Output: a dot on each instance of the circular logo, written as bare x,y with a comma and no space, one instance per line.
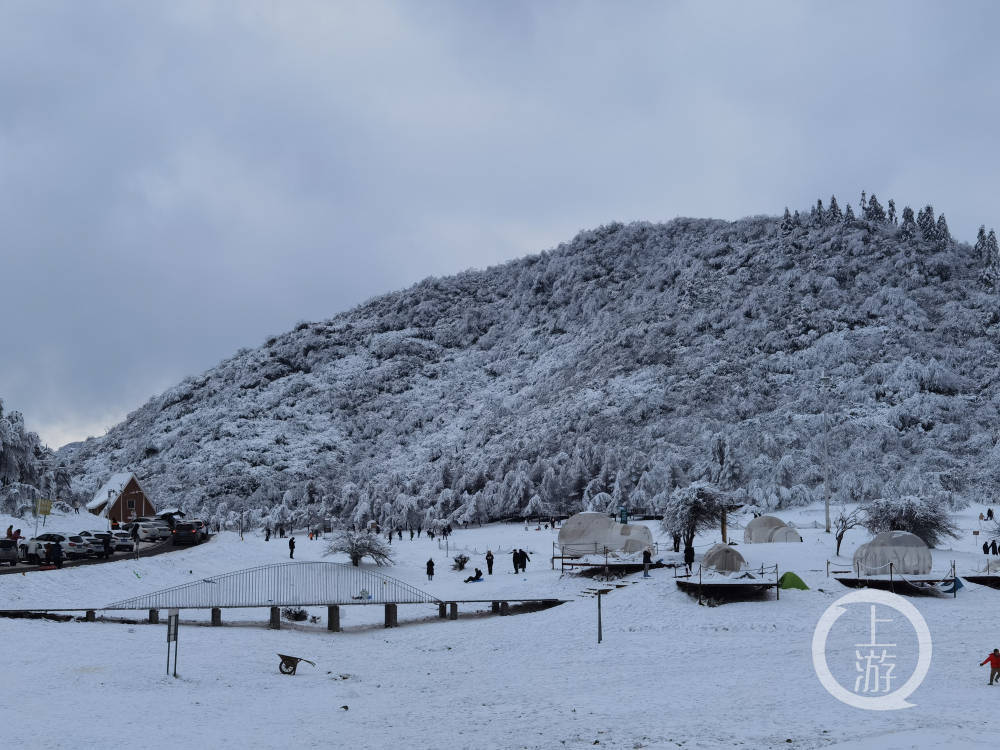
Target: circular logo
874,661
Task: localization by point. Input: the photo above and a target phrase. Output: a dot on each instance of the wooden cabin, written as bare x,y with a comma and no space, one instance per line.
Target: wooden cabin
121,499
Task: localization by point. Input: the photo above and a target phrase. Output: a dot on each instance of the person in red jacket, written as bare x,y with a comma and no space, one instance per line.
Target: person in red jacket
994,660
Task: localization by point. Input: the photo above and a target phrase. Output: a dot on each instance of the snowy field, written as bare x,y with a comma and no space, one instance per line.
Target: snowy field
670,673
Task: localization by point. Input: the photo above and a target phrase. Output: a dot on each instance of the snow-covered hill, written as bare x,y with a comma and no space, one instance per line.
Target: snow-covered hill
631,360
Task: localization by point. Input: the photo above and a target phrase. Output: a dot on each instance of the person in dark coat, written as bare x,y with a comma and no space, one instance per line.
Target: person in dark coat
57,555
989,514
489,561
430,570
993,547
473,578
291,548
411,535
688,558
986,548
647,560
106,544
516,559
400,532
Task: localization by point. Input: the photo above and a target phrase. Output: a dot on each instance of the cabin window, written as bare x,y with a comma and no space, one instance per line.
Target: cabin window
131,503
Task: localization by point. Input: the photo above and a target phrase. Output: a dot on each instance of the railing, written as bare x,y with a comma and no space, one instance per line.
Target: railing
283,584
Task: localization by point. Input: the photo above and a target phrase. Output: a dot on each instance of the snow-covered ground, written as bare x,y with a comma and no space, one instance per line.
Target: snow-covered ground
670,673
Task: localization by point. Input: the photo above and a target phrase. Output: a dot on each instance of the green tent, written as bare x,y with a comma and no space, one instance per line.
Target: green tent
791,581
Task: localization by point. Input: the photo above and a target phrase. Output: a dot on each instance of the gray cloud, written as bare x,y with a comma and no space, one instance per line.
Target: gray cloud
183,179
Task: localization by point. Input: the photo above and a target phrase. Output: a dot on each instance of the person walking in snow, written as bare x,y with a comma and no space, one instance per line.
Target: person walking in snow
994,660
523,556
57,555
516,559
993,547
411,535
291,548
647,560
489,561
430,569
989,514
986,548
688,558
267,533
106,545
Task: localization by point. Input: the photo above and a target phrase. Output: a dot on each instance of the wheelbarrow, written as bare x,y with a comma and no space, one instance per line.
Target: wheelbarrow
290,663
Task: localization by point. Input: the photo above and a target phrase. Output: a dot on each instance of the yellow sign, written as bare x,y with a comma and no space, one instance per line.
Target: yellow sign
44,507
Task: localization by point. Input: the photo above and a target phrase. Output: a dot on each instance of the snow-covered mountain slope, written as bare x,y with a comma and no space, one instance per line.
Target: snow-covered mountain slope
627,361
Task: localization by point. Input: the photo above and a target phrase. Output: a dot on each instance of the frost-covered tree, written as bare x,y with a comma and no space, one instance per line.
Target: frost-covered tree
929,520
692,509
848,214
926,223
833,213
891,212
874,212
358,545
942,234
908,225
980,247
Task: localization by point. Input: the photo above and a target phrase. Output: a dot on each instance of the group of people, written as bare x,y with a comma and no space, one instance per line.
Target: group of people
988,516
990,548
520,559
279,532
13,534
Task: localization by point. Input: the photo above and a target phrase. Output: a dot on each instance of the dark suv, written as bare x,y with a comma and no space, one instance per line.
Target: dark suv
185,533
8,551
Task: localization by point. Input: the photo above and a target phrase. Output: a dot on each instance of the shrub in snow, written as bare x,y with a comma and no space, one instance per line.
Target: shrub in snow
924,517
360,544
460,561
295,614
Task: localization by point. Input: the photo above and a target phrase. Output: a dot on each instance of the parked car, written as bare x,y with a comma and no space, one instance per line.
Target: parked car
72,546
148,531
121,541
96,541
8,551
185,532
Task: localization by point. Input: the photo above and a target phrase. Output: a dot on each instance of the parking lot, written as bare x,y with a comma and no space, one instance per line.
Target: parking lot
146,549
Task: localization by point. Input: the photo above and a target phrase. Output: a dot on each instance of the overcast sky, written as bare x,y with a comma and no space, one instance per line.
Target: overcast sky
182,179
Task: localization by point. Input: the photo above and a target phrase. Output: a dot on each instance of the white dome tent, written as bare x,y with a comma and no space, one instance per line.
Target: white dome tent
723,558
759,529
592,532
784,534
907,552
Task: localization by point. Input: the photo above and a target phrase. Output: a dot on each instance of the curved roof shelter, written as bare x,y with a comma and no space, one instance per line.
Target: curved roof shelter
591,532
307,583
760,528
723,558
907,552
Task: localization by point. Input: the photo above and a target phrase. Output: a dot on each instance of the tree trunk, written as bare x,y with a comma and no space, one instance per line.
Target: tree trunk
840,538
725,539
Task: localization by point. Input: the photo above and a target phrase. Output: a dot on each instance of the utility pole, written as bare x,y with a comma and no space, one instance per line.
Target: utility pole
825,386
